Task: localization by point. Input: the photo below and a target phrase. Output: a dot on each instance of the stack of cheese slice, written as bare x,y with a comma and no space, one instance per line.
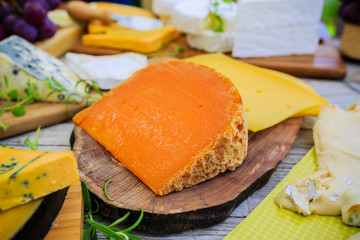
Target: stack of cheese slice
195,19
119,37
269,96
276,27
173,124
335,188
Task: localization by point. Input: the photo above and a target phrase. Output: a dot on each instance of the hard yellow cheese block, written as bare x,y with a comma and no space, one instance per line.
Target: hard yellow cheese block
12,220
269,96
27,175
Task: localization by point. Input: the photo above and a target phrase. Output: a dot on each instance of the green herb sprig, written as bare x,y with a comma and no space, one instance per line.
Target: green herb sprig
110,232
174,51
105,189
18,109
33,145
214,21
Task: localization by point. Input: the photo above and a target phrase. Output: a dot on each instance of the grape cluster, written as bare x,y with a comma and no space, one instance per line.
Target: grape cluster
27,19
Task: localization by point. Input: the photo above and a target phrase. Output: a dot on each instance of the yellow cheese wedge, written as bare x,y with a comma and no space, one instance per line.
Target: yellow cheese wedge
27,175
12,220
269,96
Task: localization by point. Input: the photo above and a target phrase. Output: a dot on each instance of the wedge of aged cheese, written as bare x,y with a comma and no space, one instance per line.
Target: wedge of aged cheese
190,16
269,96
108,71
279,41
335,188
211,41
26,175
173,124
253,14
22,62
128,39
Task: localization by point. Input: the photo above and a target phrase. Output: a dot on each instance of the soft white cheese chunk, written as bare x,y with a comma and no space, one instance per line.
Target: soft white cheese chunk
108,71
264,42
210,41
337,147
189,15
253,14
164,9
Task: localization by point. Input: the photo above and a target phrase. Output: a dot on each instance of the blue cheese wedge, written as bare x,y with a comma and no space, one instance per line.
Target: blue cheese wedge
335,188
23,63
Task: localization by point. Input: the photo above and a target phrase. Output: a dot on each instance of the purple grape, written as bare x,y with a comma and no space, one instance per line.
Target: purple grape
21,2
5,8
53,3
3,33
9,21
25,30
43,3
34,13
47,29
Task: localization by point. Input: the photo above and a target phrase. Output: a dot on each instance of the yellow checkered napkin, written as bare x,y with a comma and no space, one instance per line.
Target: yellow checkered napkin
268,221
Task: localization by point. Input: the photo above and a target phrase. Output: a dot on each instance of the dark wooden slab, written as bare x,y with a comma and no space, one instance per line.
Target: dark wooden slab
203,205
325,63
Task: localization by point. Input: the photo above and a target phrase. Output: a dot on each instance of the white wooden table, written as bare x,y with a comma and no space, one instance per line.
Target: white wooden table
56,138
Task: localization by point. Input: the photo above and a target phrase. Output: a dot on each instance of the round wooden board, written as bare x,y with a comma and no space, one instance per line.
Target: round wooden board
203,205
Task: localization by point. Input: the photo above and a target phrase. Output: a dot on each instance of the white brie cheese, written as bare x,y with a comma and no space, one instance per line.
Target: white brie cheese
108,71
210,41
264,42
252,14
337,182
189,15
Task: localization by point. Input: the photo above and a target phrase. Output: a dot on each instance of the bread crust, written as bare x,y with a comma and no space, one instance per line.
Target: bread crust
227,152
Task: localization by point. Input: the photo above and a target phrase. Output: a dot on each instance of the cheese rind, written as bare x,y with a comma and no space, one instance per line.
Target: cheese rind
288,40
23,62
26,175
253,14
173,124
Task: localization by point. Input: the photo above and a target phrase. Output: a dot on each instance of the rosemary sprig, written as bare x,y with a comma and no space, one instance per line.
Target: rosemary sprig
105,190
110,232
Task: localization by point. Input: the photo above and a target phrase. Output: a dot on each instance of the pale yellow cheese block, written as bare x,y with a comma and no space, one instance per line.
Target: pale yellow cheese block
269,97
63,40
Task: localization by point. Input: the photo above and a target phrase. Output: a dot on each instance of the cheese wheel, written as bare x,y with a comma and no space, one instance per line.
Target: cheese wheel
173,124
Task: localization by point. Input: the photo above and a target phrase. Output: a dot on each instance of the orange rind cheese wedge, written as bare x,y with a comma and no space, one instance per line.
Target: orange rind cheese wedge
173,124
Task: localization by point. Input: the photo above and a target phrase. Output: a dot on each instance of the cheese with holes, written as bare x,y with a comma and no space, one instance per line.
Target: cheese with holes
173,124
27,175
23,63
335,188
269,96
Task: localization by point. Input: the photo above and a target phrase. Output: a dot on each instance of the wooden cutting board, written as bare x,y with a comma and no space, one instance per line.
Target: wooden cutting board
325,63
37,114
203,205
69,222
